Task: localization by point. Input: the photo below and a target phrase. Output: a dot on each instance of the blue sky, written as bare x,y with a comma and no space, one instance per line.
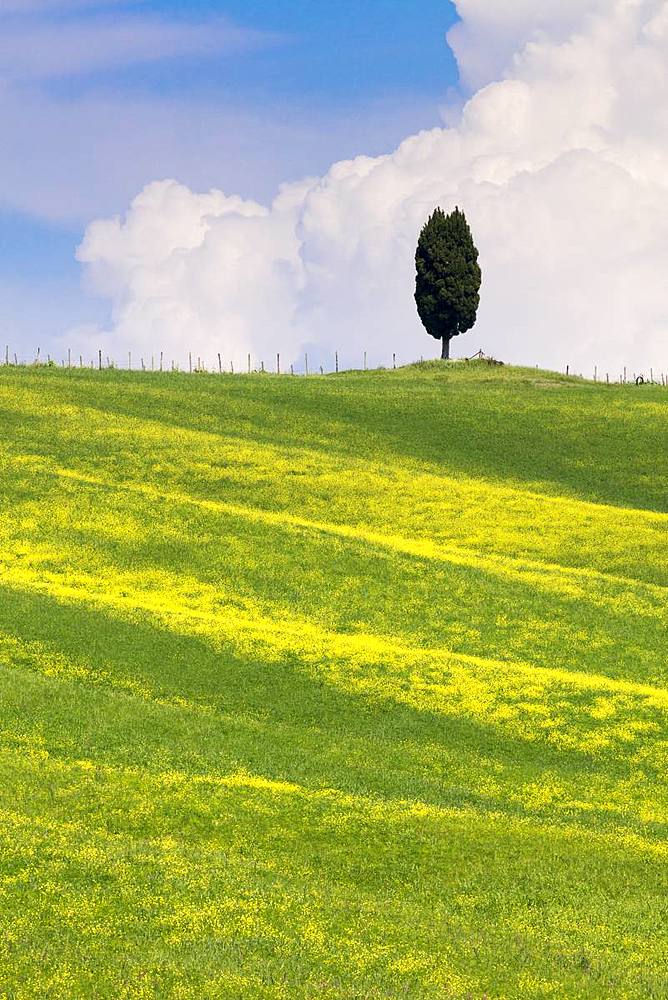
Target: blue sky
313,50
97,99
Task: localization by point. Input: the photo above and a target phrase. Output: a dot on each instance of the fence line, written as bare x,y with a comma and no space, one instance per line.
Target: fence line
625,377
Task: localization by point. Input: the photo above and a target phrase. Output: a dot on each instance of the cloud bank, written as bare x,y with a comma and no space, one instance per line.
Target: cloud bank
560,160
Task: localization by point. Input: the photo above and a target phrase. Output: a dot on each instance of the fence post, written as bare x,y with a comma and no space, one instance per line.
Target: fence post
249,364
69,357
278,364
336,361
129,361
292,369
365,361
394,361
306,364
220,364
567,369
7,355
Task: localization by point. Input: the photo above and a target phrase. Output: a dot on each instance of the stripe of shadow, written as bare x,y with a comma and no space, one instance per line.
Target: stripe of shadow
503,566
318,451
469,444
315,448
617,614
652,631
139,556
123,751
275,719
421,428
486,813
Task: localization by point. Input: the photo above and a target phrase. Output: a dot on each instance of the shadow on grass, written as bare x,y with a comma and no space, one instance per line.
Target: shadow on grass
278,719
597,443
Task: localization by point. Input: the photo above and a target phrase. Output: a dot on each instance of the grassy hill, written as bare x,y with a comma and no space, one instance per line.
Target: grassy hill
342,687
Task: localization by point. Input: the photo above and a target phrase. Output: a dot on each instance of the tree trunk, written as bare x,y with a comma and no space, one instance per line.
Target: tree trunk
445,352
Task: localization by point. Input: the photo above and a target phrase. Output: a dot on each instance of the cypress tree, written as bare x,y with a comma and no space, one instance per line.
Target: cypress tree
447,288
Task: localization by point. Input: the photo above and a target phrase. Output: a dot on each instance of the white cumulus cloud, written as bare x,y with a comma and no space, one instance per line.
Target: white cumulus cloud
560,160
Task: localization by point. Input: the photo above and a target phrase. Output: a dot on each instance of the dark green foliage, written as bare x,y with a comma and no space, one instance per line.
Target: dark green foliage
447,288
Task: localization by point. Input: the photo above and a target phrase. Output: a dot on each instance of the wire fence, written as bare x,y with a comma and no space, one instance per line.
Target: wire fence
197,365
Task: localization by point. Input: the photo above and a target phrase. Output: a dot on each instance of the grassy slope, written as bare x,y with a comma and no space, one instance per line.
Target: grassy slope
343,687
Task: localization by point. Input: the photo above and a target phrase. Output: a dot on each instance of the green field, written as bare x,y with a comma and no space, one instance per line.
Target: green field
342,687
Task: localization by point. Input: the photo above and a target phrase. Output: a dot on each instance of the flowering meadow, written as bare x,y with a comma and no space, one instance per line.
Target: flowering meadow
350,686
